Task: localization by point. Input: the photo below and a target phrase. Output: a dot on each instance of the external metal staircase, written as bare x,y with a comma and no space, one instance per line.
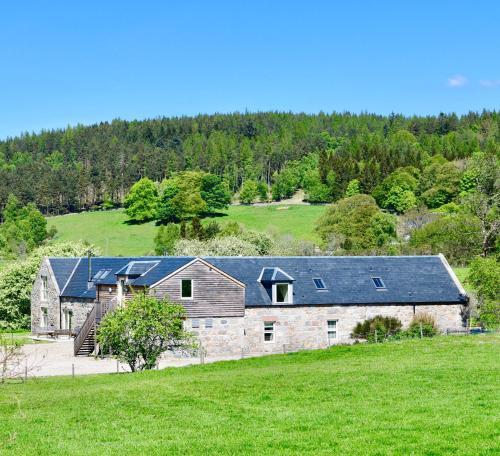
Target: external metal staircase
85,343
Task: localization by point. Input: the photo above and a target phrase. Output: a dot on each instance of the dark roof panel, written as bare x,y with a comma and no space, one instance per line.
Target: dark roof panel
349,280
137,268
62,268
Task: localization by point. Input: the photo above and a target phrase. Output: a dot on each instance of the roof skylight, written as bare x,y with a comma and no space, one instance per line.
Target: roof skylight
101,274
319,283
378,282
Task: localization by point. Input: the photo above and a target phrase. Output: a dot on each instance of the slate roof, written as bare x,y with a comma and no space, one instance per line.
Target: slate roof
348,280
274,275
137,268
62,268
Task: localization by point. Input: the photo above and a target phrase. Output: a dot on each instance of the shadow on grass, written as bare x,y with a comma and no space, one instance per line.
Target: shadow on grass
204,215
213,215
136,222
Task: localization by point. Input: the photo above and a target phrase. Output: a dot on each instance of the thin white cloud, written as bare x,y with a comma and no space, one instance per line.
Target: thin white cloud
457,81
490,83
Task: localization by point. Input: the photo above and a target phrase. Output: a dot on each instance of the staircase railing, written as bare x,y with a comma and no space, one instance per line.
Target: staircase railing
99,310
87,326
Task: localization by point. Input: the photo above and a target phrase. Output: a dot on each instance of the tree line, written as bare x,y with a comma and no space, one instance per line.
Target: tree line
86,167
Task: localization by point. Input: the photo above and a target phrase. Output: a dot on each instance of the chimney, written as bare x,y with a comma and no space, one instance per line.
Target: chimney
89,263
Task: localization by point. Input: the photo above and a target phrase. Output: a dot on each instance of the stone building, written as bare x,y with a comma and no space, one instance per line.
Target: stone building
250,304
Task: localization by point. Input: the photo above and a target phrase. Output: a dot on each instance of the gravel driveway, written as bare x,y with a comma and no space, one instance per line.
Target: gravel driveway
56,358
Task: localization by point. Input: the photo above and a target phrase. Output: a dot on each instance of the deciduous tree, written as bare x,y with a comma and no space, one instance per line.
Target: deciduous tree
140,332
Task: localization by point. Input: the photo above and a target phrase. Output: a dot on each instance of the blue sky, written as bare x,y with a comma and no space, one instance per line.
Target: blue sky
82,62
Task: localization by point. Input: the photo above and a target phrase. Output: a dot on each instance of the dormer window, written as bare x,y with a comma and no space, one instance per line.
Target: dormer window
278,284
282,293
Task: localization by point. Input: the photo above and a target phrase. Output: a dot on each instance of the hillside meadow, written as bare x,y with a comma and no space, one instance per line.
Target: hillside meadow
435,396
110,232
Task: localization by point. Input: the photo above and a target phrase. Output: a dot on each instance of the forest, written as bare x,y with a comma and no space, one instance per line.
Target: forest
88,167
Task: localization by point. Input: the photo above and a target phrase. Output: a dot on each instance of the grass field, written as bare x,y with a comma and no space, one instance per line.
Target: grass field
432,397
108,230
21,337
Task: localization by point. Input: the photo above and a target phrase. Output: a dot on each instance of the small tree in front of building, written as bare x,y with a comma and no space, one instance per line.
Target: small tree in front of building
141,331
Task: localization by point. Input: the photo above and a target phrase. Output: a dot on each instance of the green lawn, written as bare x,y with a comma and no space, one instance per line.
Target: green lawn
432,397
22,337
108,230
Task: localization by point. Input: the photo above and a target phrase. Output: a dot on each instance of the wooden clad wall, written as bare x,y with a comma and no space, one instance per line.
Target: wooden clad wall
214,295
104,294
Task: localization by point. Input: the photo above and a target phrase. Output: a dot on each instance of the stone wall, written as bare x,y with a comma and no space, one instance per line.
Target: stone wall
55,306
224,338
52,302
80,309
298,328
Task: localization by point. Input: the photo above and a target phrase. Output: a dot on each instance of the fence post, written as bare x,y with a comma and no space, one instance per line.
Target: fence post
73,370
421,332
376,336
284,349
117,366
202,355
26,373
242,352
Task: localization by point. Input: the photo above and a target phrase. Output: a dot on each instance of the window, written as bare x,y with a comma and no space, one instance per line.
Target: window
332,331
195,323
379,284
208,323
320,285
67,319
43,291
44,317
283,293
186,289
269,331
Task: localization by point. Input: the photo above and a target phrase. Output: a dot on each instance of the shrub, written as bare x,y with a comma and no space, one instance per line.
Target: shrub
139,333
225,246
429,327
377,329
484,276
165,239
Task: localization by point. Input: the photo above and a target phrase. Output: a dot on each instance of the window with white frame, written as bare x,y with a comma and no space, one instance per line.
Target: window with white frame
186,289
44,317
44,295
282,293
332,331
67,319
269,331
195,323
208,323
